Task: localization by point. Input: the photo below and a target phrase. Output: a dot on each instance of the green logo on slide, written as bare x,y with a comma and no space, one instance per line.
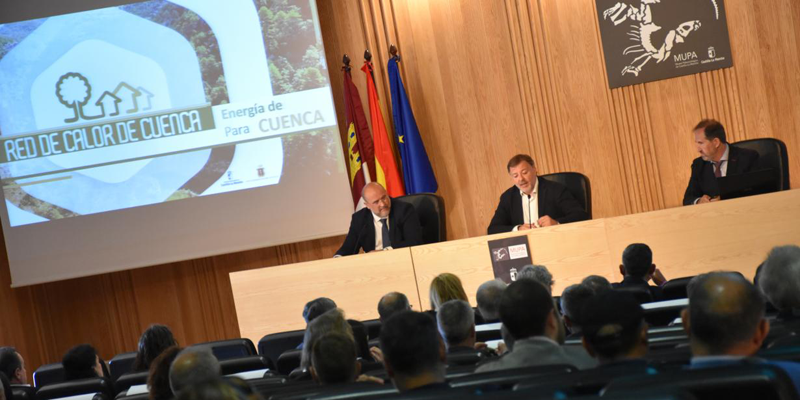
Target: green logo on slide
74,91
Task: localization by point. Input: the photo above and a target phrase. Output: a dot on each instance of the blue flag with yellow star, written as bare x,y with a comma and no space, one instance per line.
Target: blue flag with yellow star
417,171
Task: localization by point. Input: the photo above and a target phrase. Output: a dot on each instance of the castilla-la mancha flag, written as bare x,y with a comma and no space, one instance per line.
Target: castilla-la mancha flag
361,153
386,167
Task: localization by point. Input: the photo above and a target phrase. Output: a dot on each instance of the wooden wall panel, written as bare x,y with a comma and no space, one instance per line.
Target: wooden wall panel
487,79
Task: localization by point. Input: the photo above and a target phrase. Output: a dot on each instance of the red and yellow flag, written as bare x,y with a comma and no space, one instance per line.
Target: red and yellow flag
361,152
386,167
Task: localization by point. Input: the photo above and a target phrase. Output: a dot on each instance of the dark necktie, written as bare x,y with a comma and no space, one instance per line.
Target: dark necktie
387,242
717,169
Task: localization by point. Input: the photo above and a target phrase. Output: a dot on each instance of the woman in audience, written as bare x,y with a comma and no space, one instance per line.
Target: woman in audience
152,342
82,362
446,287
158,380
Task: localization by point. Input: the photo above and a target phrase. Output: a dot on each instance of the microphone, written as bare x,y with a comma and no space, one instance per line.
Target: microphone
530,217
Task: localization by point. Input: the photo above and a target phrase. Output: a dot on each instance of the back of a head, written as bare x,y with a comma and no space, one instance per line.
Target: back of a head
779,278
637,259
334,359
79,362
456,321
392,303
332,321
9,361
152,342
191,367
597,283
317,307
724,310
213,389
410,343
572,300
612,324
524,308
538,273
446,287
488,298
158,377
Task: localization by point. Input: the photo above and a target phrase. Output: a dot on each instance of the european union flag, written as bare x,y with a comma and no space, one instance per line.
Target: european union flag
417,170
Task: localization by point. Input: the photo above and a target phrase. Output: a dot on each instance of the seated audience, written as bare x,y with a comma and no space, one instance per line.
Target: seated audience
315,308
527,311
637,267
81,362
538,273
414,355
446,287
597,283
13,366
614,330
191,368
456,323
333,360
573,299
488,298
5,388
152,342
779,280
332,321
158,378
392,303
725,323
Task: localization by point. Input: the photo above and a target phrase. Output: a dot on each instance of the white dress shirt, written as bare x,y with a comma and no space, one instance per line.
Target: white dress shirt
530,207
379,230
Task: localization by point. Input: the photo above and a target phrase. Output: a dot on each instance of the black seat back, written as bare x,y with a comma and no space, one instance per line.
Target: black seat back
229,349
642,294
577,184
125,381
431,212
288,361
243,364
77,387
23,392
48,375
507,378
771,154
121,364
273,345
373,328
676,288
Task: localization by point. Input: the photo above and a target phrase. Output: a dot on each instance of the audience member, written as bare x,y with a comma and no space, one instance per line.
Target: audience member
331,321
572,300
13,366
192,367
527,311
5,388
414,355
392,303
81,362
158,378
779,280
456,323
488,298
152,342
637,268
725,322
614,330
538,273
597,283
333,359
212,389
446,287
315,308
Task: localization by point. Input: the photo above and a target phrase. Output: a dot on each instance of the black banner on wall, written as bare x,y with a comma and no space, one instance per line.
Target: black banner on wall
650,40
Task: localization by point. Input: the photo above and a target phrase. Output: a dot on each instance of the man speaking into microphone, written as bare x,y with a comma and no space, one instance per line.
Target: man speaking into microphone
384,224
532,202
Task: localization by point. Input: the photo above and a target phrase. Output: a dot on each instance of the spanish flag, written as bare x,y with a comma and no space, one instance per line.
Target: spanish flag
386,167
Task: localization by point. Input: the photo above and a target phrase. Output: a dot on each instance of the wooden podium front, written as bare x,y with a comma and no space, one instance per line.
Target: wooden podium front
729,235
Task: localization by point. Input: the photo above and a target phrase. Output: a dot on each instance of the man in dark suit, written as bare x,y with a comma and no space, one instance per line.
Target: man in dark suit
383,224
533,202
717,159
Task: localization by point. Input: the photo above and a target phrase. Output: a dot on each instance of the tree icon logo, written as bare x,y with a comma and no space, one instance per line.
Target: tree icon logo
74,91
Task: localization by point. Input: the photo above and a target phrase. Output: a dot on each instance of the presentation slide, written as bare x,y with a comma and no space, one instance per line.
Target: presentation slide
140,105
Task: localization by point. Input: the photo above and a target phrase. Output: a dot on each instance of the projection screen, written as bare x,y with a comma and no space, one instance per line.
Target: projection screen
137,133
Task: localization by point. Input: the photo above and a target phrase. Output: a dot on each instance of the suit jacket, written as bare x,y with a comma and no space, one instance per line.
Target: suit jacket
404,229
539,350
703,181
554,200
629,281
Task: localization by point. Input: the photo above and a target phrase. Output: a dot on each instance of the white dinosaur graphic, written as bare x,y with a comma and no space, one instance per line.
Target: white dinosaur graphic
642,33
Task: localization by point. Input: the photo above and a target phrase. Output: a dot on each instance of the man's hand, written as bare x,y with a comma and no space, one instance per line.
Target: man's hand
501,348
376,354
525,227
704,199
480,345
715,199
367,378
547,221
658,278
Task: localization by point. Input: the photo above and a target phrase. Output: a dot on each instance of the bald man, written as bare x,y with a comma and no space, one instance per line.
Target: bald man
384,224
